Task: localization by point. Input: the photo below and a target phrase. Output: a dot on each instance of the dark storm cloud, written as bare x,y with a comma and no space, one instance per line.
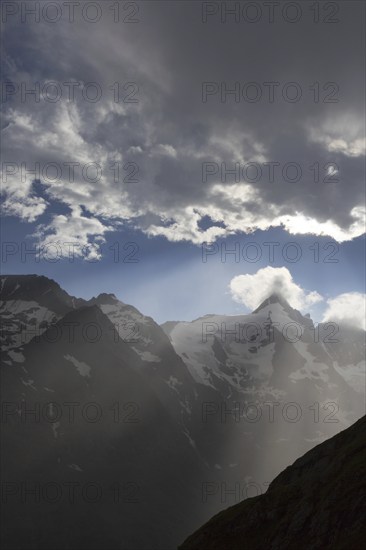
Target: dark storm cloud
170,132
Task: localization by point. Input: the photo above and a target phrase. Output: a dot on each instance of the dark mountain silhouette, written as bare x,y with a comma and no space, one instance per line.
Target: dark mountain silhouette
164,449
318,502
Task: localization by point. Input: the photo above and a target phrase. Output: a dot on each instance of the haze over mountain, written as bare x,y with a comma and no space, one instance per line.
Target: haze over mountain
183,419
318,502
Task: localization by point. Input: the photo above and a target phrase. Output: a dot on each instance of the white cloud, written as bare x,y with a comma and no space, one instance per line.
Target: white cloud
301,224
167,150
65,136
83,235
25,207
348,308
169,132
251,290
184,227
354,148
344,134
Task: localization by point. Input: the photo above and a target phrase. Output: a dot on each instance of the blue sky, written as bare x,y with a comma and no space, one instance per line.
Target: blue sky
165,155
170,281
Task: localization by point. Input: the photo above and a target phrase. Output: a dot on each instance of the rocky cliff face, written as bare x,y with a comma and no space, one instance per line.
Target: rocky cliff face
318,502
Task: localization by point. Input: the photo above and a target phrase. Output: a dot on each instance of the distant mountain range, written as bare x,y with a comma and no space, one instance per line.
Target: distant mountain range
318,502
172,423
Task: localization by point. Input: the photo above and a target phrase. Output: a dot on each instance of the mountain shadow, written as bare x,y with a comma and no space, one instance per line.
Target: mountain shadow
318,502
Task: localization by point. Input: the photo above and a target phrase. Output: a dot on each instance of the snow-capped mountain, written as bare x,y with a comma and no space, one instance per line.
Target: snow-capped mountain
274,352
220,400
238,351
289,383
29,305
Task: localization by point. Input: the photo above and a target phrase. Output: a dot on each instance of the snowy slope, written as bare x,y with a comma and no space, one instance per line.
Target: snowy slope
274,352
29,304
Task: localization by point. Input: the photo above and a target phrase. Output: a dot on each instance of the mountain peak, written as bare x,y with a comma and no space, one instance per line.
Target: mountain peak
274,298
294,314
104,298
40,289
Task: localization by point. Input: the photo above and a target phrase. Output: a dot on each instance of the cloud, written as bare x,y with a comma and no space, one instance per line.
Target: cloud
26,208
74,230
251,290
164,138
348,308
167,150
299,224
344,133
